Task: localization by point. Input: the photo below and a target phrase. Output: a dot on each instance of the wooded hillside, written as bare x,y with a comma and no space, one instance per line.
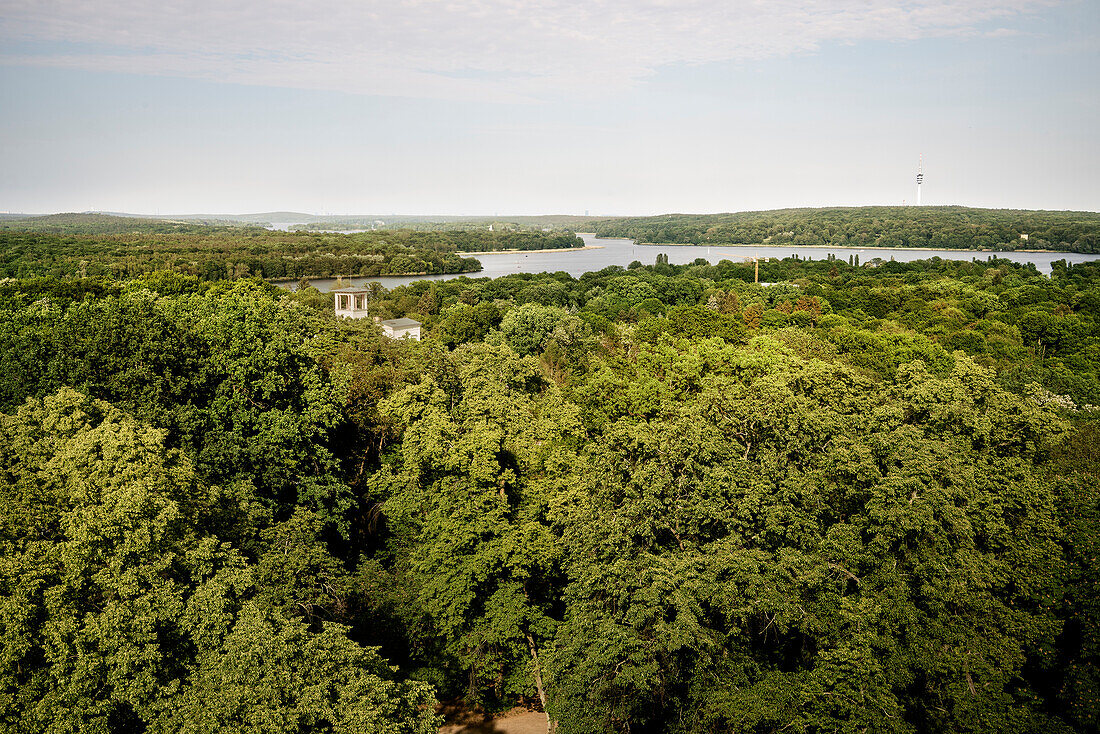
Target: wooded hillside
947,227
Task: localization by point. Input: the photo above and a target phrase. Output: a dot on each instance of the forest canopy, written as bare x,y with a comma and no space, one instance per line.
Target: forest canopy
940,227
657,499
95,245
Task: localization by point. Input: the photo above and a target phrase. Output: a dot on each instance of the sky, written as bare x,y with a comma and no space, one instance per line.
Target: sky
498,107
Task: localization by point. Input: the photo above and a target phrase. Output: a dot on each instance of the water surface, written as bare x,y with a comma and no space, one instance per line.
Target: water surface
623,252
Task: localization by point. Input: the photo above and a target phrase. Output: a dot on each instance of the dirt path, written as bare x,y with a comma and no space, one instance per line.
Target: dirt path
516,721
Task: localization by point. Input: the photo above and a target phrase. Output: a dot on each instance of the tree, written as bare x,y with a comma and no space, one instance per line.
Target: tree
773,542
527,327
462,323
119,613
468,499
273,675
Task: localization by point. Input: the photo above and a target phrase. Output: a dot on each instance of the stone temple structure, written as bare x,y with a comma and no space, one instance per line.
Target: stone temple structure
351,303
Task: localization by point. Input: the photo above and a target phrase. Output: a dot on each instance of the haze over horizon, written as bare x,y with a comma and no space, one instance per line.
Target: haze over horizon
615,107
502,216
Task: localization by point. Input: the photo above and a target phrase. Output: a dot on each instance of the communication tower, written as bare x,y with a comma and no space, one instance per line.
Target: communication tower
920,176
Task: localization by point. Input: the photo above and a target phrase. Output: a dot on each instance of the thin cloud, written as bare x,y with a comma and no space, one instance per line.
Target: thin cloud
483,49
1005,33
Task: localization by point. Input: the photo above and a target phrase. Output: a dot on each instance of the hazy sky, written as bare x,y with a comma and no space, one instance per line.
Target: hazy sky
547,106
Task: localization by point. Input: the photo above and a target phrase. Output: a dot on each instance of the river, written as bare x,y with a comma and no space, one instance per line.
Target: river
607,252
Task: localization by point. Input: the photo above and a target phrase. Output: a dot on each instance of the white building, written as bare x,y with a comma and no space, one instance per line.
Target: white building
351,303
401,329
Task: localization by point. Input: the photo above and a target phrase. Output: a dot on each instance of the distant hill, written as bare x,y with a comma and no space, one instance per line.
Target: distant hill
94,223
939,227
448,223
124,223
946,227
330,221
262,218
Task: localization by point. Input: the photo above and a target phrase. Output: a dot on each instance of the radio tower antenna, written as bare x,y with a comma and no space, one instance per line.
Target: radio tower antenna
920,176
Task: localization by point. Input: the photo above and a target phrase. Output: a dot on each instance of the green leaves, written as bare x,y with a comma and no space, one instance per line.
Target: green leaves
273,675
469,503
527,327
117,612
106,577
835,527
826,552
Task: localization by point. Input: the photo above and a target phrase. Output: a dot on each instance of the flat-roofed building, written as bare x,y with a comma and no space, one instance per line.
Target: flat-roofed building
401,329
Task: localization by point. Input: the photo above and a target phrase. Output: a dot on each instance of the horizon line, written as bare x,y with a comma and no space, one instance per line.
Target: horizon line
210,215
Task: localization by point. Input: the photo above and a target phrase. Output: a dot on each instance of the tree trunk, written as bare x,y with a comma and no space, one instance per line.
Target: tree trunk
550,725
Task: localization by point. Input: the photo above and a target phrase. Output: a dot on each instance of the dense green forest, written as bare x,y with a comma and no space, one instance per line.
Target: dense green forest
941,227
653,499
102,223
232,254
95,245
946,227
547,223
465,240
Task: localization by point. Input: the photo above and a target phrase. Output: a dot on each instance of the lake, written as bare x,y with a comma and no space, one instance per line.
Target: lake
623,252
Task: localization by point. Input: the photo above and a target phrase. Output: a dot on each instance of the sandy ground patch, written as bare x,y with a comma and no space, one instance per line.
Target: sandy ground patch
516,721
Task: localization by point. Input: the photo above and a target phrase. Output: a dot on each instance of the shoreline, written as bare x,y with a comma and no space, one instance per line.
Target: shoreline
855,247
528,252
349,277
